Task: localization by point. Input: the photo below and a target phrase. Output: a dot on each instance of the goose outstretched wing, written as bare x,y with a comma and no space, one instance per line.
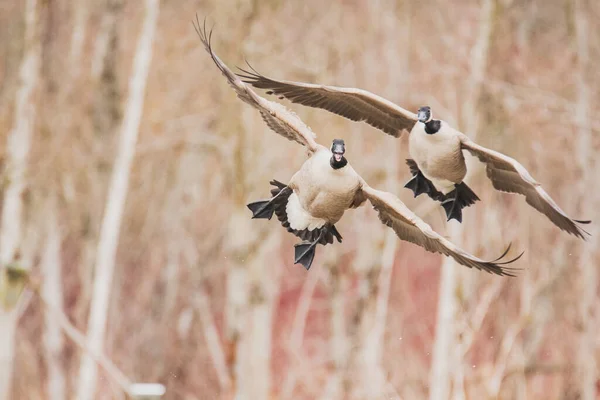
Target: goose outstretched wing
354,104
409,227
508,175
278,118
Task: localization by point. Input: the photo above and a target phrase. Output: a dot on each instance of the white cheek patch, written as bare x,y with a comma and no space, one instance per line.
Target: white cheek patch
299,218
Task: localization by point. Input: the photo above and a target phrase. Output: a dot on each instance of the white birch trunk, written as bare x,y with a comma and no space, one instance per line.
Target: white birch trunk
106,119
19,143
78,36
295,345
252,284
8,326
19,139
237,301
587,365
53,293
213,342
251,290
445,362
445,338
339,337
339,344
107,246
372,376
107,29
263,291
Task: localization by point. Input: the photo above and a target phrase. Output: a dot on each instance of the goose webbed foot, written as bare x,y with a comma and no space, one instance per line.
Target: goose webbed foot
453,210
304,252
462,196
266,208
419,184
261,209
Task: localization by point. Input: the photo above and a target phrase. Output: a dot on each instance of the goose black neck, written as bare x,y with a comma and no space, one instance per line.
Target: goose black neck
337,164
433,126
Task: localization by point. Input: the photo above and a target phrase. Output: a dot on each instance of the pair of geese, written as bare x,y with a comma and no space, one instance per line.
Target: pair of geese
317,196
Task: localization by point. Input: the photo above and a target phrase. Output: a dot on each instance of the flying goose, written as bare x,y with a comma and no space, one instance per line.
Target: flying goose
437,165
326,185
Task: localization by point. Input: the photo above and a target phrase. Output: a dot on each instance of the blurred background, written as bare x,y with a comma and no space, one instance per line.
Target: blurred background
127,162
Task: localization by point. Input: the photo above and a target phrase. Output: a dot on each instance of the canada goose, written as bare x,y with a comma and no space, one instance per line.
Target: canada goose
326,185
437,164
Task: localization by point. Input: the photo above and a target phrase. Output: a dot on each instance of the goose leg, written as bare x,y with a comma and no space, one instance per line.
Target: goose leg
304,253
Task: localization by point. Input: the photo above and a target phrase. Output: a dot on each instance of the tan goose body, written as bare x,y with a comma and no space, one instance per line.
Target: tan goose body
321,193
438,155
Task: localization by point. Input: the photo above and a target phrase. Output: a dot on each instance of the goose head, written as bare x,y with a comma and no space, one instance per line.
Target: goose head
424,114
338,148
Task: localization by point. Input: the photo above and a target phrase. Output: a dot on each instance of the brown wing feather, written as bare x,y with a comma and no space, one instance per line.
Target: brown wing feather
409,227
508,175
278,118
354,104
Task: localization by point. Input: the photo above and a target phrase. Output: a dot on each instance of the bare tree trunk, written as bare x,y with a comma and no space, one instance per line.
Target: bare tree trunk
235,314
53,293
444,359
335,388
588,368
251,293
373,381
252,284
105,36
295,344
251,289
373,376
263,289
339,336
107,246
374,290
213,342
19,138
78,36
366,268
106,116
18,146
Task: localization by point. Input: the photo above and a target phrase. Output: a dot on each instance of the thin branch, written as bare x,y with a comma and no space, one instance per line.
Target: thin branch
215,349
490,294
529,369
80,340
297,332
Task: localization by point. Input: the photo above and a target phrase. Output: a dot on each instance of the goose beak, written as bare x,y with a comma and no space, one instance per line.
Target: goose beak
338,156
